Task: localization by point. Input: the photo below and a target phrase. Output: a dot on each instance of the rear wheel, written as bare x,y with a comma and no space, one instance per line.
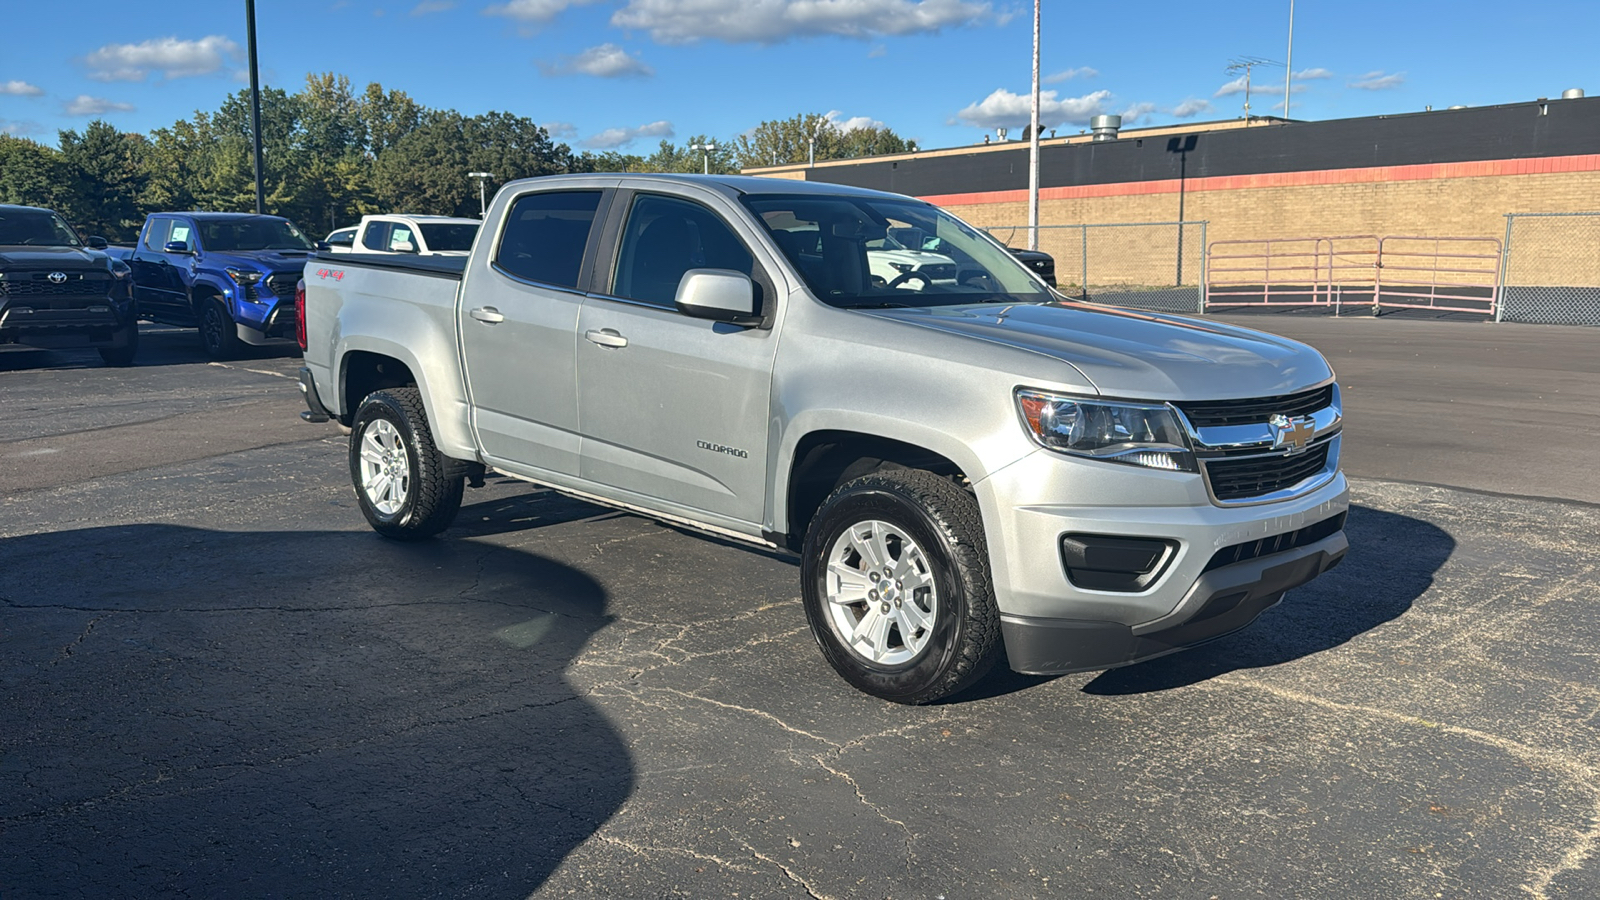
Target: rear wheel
217,331
895,580
401,479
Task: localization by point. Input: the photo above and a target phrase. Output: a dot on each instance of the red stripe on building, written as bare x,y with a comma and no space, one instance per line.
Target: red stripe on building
1376,174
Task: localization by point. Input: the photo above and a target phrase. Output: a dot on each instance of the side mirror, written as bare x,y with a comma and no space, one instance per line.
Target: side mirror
95,242
176,247
722,295
324,246
403,247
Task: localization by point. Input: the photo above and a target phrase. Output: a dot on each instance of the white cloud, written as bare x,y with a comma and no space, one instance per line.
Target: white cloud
85,105
1003,108
1069,74
854,123
604,61
1379,81
559,130
432,6
878,52
1190,108
171,57
20,89
1268,86
10,127
612,138
1137,111
533,12
775,21
1310,74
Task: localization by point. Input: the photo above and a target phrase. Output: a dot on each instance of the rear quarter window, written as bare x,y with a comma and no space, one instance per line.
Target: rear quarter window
545,236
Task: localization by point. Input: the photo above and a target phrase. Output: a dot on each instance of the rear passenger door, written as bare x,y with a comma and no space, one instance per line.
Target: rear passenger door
674,409
518,319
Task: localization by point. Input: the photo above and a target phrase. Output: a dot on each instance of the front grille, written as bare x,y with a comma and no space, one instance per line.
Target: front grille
282,286
1242,479
1213,413
37,284
1289,540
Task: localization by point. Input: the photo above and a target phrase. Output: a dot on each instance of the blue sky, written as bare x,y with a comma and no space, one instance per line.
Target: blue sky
622,74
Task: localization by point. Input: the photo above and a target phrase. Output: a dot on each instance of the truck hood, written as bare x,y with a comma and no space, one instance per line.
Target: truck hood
64,258
270,261
1129,354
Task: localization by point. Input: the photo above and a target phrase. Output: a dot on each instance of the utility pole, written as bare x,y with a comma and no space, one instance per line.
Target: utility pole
255,103
1288,66
1033,143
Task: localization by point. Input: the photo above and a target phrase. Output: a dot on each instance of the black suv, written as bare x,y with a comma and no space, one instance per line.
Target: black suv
58,291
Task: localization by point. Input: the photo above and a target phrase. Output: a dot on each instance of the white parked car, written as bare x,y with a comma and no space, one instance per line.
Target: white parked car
416,235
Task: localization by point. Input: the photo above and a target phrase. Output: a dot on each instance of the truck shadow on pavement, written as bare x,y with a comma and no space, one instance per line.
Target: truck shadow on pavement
294,713
1391,563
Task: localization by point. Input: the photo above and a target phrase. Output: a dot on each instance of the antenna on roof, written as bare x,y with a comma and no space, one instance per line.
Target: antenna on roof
1245,64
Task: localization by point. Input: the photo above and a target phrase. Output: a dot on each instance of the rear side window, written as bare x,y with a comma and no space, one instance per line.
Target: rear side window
667,237
155,237
376,235
545,236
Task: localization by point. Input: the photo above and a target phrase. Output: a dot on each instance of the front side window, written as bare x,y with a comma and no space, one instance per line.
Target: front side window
546,235
667,237
181,232
400,240
344,238
886,252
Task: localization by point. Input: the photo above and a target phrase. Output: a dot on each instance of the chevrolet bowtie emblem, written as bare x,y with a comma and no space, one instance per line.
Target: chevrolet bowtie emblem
1292,435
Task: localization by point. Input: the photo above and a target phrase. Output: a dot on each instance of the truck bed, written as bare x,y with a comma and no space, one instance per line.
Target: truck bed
439,266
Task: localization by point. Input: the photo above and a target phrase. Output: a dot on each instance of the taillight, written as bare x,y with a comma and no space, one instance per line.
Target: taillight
300,313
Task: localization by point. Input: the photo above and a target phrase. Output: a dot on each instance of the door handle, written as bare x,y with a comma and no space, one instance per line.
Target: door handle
606,337
487,314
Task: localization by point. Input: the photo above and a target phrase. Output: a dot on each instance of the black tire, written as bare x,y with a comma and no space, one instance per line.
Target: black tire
217,331
942,521
395,418
123,356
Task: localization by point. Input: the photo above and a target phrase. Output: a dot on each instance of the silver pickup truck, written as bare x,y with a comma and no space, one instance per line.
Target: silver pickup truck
970,468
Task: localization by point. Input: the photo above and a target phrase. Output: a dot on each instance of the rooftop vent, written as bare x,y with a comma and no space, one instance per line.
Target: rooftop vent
1572,94
1105,128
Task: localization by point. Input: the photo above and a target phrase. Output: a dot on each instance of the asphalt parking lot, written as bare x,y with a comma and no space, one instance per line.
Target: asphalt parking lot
216,681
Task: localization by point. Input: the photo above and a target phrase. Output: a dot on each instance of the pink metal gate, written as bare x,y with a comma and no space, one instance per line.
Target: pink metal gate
1449,274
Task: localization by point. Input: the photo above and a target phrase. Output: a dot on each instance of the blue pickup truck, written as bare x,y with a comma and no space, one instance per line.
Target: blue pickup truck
231,274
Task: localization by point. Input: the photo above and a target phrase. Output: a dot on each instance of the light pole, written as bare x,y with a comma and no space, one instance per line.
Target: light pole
255,104
706,150
1033,143
1288,65
483,207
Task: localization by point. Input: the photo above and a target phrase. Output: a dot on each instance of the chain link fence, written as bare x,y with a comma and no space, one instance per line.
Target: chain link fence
1149,265
1550,273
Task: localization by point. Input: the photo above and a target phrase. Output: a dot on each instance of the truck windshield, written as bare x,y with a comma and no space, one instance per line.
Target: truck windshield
35,228
449,237
253,233
869,252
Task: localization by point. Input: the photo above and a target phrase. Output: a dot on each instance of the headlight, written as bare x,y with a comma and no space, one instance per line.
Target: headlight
1139,434
901,267
243,276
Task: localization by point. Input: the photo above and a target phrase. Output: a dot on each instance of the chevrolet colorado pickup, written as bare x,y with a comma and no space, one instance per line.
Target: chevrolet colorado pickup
58,291
231,274
969,470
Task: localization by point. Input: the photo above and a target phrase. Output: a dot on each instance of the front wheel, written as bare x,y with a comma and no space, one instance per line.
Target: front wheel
895,580
217,331
399,475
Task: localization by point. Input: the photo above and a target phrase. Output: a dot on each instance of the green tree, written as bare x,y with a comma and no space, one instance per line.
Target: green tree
787,141
104,172
32,174
425,172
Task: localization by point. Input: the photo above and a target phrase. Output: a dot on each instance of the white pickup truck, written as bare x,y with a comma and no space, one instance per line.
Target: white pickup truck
969,469
414,235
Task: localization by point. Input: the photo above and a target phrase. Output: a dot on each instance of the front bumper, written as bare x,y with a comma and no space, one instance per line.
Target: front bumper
1052,625
1222,601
